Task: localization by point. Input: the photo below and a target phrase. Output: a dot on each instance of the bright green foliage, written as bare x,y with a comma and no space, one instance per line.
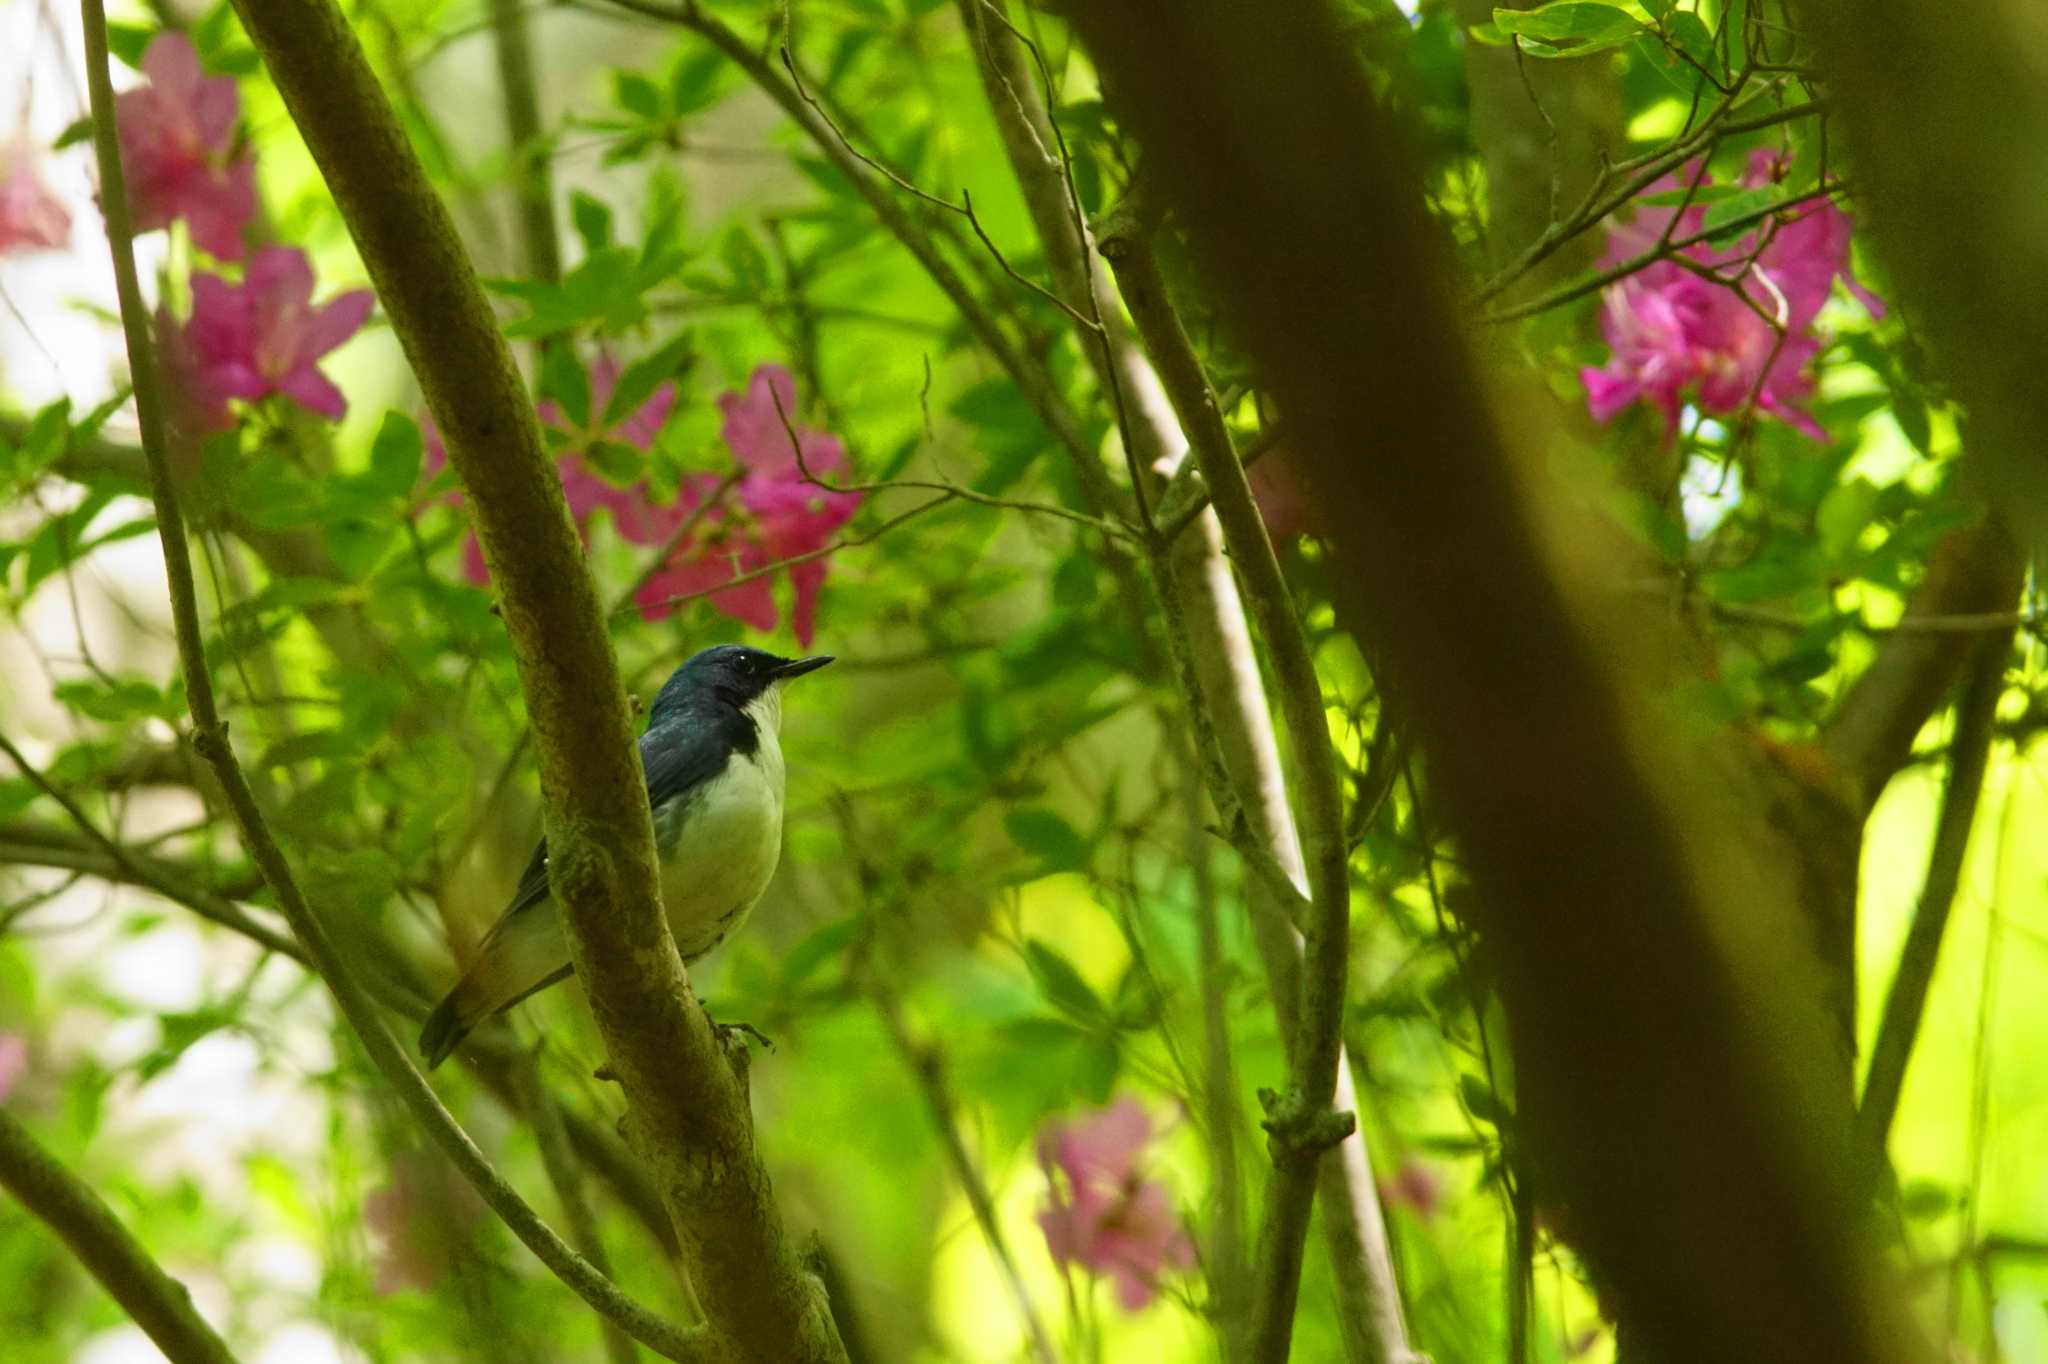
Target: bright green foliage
989,833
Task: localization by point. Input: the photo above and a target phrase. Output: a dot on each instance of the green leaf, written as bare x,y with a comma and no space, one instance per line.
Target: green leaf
129,41
637,95
641,378
121,701
1921,1199
697,82
395,457
1574,27
1737,206
1843,514
1095,1075
358,544
743,256
1060,984
73,134
1686,32
47,437
1481,1101
1043,833
593,220
180,1031
274,495
564,380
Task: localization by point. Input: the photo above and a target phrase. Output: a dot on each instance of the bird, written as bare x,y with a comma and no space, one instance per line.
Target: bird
713,762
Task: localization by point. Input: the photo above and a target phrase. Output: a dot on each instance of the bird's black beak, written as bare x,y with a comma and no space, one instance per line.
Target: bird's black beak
797,667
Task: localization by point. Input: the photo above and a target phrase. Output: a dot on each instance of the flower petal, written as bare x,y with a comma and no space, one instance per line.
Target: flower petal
314,391
334,322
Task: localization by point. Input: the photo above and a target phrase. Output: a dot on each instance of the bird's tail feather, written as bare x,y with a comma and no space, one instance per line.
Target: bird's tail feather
447,1025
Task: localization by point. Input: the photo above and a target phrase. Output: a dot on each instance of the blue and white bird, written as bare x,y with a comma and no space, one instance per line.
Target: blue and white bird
714,781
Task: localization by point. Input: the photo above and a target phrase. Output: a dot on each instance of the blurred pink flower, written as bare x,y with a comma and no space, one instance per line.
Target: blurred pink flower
773,514
633,516
783,513
1103,1216
1285,501
13,1061
264,335
193,409
1679,338
177,137
421,1219
32,217
1414,1186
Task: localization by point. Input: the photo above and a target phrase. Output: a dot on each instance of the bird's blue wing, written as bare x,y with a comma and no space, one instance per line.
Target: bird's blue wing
676,758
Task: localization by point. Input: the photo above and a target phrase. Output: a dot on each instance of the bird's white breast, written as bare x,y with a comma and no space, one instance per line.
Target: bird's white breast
721,846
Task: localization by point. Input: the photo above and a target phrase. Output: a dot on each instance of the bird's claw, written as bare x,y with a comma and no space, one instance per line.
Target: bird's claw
728,1034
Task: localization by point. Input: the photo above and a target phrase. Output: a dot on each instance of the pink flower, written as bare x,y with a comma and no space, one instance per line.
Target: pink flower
635,518
776,513
264,335
1286,503
1678,337
1103,1216
420,1219
193,409
783,514
1413,1186
32,218
13,1061
177,137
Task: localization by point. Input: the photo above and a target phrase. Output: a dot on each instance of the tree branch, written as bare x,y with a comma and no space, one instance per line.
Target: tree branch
1316,1050
1223,691
532,179
1661,1056
1970,281
551,1135
210,733
1870,736
159,1304
1969,752
104,857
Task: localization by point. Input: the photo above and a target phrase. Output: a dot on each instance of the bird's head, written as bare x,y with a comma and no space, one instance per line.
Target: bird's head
733,674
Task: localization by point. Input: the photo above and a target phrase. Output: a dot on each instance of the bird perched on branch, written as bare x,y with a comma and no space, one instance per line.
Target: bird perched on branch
714,781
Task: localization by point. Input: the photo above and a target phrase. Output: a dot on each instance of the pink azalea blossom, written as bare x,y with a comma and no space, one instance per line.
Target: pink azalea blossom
178,149
1104,1216
635,518
32,217
783,513
13,1061
1679,338
193,408
773,513
264,335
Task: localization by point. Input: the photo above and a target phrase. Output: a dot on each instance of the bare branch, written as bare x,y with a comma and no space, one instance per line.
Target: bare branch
159,1304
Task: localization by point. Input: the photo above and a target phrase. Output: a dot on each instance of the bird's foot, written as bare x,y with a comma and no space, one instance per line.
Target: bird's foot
728,1034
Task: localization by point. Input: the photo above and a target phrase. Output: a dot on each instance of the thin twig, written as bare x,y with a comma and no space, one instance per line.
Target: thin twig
151,874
